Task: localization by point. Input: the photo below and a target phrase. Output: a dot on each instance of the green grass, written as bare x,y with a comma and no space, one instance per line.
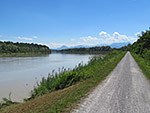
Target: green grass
143,63
61,93
96,71
65,78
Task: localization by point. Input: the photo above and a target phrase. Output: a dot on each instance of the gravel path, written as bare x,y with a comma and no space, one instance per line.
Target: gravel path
125,90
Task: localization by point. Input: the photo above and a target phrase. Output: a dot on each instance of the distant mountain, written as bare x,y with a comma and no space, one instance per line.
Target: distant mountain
80,46
99,45
113,45
65,47
62,47
118,45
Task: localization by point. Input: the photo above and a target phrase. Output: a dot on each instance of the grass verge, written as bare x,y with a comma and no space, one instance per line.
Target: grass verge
65,98
144,64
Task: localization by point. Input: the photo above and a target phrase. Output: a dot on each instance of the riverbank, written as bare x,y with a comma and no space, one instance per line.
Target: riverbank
19,75
63,100
88,50
10,49
23,54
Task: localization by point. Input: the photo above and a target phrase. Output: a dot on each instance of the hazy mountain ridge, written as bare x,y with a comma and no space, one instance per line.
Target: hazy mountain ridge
113,45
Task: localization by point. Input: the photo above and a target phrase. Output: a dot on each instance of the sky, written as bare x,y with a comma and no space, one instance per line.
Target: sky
73,22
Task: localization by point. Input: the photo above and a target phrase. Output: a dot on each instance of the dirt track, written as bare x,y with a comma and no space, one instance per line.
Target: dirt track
125,90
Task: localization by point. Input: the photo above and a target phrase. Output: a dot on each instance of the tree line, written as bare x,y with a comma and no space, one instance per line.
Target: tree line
142,46
11,47
90,50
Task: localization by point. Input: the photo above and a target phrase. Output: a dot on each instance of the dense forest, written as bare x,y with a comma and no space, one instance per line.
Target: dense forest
142,45
91,50
11,48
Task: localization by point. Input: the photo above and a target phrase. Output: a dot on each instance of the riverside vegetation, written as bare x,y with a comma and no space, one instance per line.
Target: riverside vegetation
141,52
66,78
60,92
8,48
90,50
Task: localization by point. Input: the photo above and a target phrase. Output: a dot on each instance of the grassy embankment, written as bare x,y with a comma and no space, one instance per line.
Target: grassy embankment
53,93
143,63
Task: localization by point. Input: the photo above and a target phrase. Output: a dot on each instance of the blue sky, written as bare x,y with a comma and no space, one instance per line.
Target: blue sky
73,22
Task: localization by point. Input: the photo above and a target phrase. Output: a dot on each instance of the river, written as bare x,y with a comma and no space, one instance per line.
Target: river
18,75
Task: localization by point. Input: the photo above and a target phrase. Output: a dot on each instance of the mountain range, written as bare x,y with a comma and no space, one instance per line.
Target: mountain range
113,45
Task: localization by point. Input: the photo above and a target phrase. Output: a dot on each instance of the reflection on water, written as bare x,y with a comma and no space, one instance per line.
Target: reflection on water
18,75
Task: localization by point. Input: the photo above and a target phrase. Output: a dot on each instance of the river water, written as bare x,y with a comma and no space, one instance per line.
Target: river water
18,75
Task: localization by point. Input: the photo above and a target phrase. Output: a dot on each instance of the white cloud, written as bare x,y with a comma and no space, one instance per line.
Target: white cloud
57,45
24,38
85,43
54,45
35,36
133,39
5,40
72,39
116,34
103,33
137,34
89,38
120,38
106,38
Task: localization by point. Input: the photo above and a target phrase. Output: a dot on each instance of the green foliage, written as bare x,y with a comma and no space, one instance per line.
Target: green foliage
10,47
91,50
97,69
146,54
126,48
143,63
66,78
7,102
141,52
90,76
142,44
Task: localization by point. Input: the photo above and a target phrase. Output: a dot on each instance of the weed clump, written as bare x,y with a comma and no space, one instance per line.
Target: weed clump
7,102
